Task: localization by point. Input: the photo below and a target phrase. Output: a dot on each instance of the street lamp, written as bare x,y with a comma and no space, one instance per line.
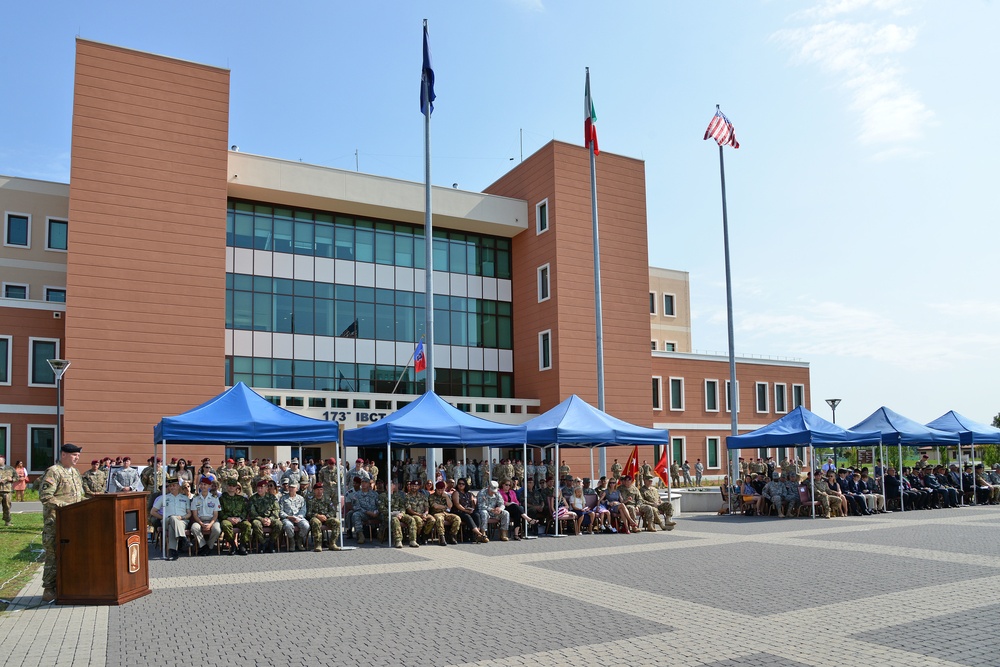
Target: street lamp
833,403
58,366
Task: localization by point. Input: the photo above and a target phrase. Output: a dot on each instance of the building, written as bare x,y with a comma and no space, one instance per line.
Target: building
172,266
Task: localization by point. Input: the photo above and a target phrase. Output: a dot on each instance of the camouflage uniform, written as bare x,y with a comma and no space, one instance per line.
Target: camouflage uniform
564,471
245,475
125,478
443,519
290,507
326,506
362,503
60,486
416,506
484,474
519,471
398,513
6,489
774,491
293,476
327,476
820,488
790,494
675,474
650,497
616,470
263,506
94,482
152,483
235,506
226,474
633,503
486,502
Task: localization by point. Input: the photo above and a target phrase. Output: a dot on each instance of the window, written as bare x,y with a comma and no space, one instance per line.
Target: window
798,395
543,283
668,305
5,349
41,448
542,216
17,230
5,443
545,350
780,402
652,345
56,232
657,393
676,393
677,450
669,346
652,303
729,407
15,291
55,294
761,396
712,449
41,350
711,395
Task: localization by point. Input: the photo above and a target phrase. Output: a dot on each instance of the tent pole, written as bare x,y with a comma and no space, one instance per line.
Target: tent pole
555,498
961,480
341,453
163,521
388,491
972,460
591,466
524,488
899,449
812,476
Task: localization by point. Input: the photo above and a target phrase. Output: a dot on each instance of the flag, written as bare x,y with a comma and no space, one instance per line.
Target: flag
661,467
344,382
351,331
632,465
722,130
419,359
427,80
589,118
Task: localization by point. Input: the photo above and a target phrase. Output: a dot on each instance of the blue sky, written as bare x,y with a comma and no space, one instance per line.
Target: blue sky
862,230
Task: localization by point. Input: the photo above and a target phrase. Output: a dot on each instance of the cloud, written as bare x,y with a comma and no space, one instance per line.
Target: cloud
864,56
842,330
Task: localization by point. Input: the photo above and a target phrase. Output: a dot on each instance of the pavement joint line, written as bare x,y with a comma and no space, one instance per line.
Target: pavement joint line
230,578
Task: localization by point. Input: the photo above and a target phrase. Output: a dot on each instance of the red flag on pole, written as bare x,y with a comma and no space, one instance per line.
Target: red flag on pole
661,468
632,465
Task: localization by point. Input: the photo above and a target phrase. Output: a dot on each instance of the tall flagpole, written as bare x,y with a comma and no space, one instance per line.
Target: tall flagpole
427,106
598,308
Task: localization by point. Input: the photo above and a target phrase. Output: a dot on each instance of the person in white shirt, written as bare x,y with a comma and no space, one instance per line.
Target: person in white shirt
205,527
173,510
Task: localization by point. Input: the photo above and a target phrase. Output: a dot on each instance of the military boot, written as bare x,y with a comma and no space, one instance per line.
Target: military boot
361,537
398,543
334,546
442,541
503,536
299,546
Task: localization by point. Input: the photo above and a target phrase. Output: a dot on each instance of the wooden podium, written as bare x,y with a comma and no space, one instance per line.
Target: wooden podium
101,552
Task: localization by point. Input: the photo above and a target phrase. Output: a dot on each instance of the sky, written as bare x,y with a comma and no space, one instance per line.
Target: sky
862,235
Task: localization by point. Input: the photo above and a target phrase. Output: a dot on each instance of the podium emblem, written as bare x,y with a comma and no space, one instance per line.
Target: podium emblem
132,545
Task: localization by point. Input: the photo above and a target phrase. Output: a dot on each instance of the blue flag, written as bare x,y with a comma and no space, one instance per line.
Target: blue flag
427,80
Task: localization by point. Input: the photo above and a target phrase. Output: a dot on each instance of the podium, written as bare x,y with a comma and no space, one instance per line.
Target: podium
101,551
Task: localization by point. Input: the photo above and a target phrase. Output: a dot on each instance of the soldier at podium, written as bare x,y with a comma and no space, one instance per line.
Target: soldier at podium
61,485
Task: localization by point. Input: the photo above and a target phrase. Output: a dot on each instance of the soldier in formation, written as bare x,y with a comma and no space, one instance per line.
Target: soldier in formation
95,480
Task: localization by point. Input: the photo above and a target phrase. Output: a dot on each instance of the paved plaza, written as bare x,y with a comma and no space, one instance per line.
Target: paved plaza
915,589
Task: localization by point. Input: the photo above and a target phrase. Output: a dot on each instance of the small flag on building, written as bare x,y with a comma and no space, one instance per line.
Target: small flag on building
427,95
722,130
351,331
589,118
419,359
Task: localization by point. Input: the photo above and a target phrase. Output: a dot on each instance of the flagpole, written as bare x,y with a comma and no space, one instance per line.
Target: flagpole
428,226
733,393
598,309
405,368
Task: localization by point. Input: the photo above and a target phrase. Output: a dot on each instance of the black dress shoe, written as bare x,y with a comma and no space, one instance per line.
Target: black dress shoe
172,555
241,551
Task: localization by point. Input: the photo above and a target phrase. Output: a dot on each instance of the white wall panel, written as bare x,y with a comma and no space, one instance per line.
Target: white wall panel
385,277
243,260
263,263
344,350
242,343
262,343
282,346
325,348
303,347
365,352
344,272
364,274
283,265
304,269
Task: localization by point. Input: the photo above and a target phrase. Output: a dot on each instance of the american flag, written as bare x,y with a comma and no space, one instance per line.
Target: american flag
722,130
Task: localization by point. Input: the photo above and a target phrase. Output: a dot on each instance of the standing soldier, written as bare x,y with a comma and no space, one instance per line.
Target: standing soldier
675,474
519,471
616,470
564,471
484,473
226,473
645,470
125,479
244,474
95,480
327,476
61,486
6,488
151,478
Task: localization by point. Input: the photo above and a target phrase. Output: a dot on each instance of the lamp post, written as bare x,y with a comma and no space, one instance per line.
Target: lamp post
833,403
58,366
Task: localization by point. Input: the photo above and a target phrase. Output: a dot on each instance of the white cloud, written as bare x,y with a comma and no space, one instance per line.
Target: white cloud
864,56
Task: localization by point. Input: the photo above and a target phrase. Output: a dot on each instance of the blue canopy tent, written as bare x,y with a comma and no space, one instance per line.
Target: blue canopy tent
802,427
576,423
240,416
969,432
899,430
432,421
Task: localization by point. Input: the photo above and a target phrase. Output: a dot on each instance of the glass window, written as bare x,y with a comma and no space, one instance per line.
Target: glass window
324,235
542,216
282,232
244,230
668,305
780,402
677,444
729,406
545,350
56,235
657,394
652,303
543,282
304,237
364,241
440,251
669,347
457,254
404,249
41,351
344,239
652,345
761,388
712,445
42,448
676,393
5,444
56,295
11,291
384,246
5,349
18,230
711,395
798,395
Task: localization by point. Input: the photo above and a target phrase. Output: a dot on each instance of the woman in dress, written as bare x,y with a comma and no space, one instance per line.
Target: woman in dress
20,481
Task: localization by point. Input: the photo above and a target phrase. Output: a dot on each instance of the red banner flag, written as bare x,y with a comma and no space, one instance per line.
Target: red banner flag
632,465
661,468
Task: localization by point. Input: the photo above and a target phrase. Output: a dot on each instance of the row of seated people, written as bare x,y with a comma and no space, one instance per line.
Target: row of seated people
845,492
209,519
938,487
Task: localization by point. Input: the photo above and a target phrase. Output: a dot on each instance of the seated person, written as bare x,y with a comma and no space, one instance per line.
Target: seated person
613,501
173,510
984,492
321,512
364,507
661,511
233,511
463,505
584,515
869,489
490,505
205,526
854,497
835,494
750,494
292,510
446,523
774,492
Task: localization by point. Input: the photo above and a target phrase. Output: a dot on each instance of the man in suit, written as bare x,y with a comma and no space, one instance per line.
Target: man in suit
946,497
894,484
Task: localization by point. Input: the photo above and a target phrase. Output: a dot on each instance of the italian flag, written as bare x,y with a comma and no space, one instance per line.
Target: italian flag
589,118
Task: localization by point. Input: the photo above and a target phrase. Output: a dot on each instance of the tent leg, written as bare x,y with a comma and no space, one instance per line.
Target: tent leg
163,523
341,455
899,449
